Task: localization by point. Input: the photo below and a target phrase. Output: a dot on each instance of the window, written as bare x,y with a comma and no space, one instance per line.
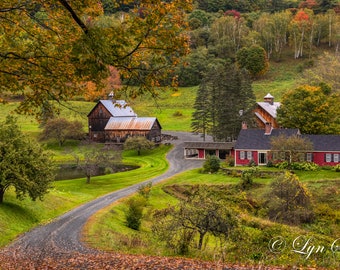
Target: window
336,157
249,155
262,158
309,157
328,157
242,154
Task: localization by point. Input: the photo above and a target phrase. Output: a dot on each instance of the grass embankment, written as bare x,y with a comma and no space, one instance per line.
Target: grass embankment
107,229
19,216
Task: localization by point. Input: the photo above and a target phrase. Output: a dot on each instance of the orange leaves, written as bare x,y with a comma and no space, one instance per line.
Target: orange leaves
301,15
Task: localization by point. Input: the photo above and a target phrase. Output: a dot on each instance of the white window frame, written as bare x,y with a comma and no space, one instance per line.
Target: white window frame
328,157
336,158
309,157
242,155
249,155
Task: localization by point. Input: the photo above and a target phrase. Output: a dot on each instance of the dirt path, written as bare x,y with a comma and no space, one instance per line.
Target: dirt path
59,241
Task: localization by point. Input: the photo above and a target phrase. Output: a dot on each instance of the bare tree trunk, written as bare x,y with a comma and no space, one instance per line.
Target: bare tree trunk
2,192
88,178
200,241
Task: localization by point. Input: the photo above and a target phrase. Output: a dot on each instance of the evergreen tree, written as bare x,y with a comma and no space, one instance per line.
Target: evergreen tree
224,100
201,118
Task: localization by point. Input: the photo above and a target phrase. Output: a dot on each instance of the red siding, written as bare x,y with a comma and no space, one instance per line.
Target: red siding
201,153
319,158
245,161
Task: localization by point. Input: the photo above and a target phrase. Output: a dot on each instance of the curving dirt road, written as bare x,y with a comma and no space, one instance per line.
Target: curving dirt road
61,237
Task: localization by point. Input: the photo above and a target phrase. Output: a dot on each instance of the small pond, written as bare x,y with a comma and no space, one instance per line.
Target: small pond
70,171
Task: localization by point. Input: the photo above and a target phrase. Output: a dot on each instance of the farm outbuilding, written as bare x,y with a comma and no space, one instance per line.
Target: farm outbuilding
200,150
118,129
114,121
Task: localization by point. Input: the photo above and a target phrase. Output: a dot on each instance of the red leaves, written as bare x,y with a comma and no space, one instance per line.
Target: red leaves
301,16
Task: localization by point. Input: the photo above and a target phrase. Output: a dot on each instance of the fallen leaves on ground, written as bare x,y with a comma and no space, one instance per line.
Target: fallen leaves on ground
116,261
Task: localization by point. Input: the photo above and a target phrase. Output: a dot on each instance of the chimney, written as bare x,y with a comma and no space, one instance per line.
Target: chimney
244,125
269,98
268,129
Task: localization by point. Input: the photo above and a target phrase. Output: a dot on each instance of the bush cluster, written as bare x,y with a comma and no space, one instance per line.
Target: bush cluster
300,166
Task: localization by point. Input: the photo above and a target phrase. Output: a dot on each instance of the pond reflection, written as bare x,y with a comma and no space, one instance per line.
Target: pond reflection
71,171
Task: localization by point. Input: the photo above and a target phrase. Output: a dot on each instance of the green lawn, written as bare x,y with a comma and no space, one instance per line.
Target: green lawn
17,216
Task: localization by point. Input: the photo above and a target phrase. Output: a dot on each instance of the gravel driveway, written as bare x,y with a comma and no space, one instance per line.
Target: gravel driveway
61,237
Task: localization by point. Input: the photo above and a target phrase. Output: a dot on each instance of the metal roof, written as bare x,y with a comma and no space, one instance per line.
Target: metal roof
269,108
131,123
118,108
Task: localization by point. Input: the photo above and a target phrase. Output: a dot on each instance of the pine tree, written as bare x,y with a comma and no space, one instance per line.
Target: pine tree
225,99
201,118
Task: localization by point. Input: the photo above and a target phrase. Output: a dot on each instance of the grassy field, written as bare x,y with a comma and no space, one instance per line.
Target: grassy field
19,216
107,229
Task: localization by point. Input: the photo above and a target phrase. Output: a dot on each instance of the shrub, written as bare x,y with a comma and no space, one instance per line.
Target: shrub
304,166
252,163
212,164
134,212
337,168
248,176
177,114
144,190
230,161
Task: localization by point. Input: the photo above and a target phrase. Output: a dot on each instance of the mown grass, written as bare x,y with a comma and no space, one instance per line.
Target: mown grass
17,216
107,229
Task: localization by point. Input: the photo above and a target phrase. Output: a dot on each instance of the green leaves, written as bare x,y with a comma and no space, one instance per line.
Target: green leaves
309,109
23,163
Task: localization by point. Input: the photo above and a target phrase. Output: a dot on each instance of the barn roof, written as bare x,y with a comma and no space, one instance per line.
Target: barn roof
131,123
269,108
118,108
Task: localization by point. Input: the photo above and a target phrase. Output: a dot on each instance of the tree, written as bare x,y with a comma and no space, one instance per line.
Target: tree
49,49
253,59
198,214
24,165
227,35
290,201
227,100
201,117
313,110
138,143
61,130
301,31
291,148
91,161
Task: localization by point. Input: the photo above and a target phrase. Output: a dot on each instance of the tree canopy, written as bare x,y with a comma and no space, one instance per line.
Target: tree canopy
24,165
289,148
61,129
138,143
313,110
49,49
